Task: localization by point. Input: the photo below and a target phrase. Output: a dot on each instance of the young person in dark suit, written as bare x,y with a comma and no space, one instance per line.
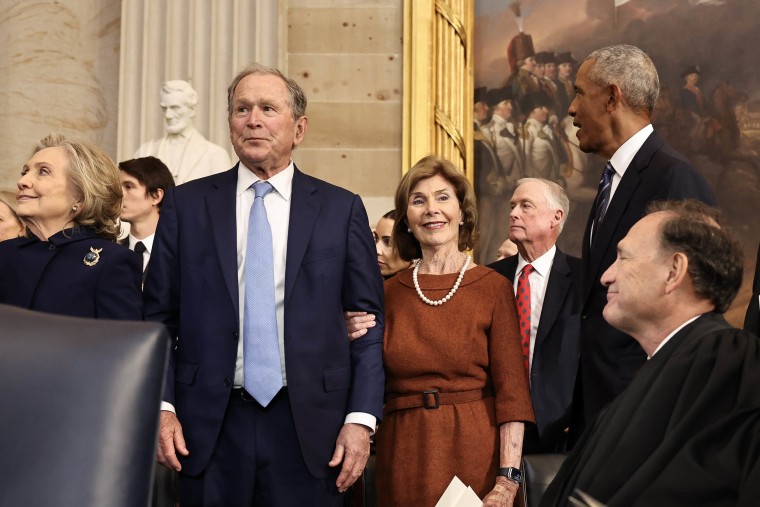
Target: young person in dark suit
144,181
539,212
616,90
251,271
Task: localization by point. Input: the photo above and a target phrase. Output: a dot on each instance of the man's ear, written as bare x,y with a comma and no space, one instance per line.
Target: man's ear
301,127
157,196
558,214
678,269
615,97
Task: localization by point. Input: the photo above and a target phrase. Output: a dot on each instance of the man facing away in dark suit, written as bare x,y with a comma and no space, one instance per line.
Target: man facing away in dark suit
144,181
539,211
273,405
616,90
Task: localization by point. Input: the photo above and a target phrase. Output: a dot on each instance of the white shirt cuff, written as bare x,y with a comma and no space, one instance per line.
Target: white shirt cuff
368,420
165,405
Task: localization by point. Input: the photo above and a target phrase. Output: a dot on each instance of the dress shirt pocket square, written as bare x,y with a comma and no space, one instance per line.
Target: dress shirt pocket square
337,378
185,373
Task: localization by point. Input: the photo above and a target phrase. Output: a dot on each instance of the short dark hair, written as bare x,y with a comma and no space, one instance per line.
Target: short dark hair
716,258
150,172
391,215
408,246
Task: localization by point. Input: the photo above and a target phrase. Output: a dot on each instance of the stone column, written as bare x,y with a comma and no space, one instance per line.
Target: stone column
60,63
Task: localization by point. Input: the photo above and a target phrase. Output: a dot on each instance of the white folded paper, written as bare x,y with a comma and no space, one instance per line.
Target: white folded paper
459,495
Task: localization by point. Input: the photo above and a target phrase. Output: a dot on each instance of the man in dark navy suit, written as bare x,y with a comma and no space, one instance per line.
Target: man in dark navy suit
241,436
616,90
539,211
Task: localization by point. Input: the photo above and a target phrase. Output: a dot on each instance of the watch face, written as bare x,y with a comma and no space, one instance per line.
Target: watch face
512,473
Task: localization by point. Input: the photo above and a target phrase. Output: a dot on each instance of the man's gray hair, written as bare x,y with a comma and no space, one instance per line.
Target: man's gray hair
629,68
179,86
296,96
555,195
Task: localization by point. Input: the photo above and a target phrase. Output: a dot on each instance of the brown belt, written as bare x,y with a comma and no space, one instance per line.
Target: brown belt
433,399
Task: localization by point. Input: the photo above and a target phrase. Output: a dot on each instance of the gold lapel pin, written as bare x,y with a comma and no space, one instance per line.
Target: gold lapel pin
92,257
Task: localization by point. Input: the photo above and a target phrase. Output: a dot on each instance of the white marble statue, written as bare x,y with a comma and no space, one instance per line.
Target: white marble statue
186,153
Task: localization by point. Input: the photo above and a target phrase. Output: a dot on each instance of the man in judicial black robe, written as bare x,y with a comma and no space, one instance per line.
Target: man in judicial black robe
686,431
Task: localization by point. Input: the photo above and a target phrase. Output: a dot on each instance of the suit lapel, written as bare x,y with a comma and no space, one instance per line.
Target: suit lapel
511,268
220,207
304,210
615,212
557,286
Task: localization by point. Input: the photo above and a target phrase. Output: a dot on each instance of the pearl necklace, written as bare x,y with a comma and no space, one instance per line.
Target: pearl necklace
451,292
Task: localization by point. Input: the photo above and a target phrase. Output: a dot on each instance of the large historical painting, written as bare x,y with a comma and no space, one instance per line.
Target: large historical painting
526,55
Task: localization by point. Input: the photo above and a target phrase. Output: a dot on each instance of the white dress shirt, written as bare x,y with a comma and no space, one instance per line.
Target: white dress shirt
148,242
277,204
538,281
622,158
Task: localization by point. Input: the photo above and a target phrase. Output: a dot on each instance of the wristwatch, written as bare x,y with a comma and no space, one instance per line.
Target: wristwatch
511,473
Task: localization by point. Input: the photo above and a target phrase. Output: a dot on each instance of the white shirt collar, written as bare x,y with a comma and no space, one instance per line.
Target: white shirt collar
672,334
147,241
282,181
542,265
621,159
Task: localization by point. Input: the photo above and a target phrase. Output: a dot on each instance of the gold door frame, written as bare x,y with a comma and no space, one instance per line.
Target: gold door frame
438,81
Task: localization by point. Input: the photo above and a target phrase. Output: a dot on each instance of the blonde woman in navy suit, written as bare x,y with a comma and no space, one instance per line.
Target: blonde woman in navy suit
69,197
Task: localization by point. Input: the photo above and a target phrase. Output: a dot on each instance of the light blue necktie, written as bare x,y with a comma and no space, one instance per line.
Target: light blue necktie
262,375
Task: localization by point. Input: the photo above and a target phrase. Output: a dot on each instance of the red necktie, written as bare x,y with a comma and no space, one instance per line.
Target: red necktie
523,311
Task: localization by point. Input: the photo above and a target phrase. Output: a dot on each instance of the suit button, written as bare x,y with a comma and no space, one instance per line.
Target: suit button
51,248
227,382
235,334
584,316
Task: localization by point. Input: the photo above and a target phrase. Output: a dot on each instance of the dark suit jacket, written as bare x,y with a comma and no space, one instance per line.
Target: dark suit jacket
51,276
609,358
752,318
192,286
555,353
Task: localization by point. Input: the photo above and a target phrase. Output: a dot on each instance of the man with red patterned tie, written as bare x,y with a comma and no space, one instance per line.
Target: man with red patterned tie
548,294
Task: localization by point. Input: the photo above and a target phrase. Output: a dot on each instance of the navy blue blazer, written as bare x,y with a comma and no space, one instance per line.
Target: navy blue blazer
555,352
51,276
331,265
610,358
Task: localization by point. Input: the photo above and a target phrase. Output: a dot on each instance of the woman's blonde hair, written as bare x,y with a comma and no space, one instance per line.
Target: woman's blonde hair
94,177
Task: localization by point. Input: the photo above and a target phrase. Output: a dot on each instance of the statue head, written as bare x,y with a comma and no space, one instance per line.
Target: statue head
178,100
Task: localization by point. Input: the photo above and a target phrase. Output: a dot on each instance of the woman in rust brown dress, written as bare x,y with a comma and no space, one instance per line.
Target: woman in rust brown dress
457,395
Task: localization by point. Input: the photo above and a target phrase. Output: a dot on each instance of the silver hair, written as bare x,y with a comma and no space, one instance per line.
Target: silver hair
179,86
629,68
296,96
555,195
